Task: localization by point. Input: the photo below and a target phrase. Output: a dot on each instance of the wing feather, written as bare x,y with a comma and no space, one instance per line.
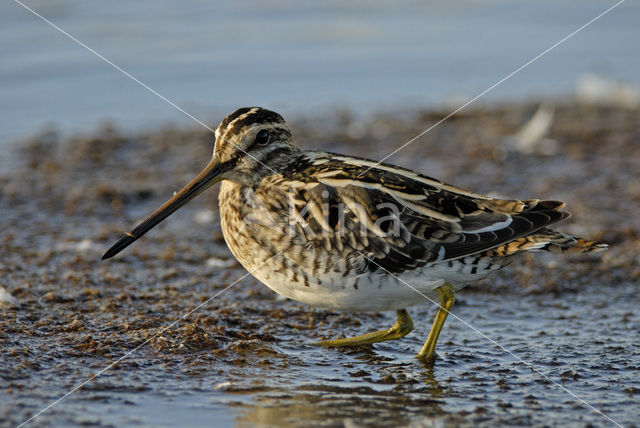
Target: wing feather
401,219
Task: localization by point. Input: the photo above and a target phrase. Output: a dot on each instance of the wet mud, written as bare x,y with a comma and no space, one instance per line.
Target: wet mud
174,332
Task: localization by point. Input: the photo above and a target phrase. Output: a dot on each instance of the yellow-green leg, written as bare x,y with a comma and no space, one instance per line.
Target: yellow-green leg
447,297
401,328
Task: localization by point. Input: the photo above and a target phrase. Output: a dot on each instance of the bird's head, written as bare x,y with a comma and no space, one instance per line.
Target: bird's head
251,143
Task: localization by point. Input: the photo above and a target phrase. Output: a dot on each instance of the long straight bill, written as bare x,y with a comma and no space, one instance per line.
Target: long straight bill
209,176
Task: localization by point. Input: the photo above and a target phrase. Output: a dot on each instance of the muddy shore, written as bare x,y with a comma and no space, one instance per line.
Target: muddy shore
241,358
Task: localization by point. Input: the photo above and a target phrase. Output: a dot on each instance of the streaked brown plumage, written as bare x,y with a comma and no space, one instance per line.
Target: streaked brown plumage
348,233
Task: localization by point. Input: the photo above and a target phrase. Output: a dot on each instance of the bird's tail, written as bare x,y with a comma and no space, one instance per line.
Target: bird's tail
549,240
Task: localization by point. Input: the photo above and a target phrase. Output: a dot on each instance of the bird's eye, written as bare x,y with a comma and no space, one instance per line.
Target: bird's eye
262,137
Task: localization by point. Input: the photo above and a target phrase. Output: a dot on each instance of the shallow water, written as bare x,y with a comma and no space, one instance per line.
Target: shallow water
242,359
582,343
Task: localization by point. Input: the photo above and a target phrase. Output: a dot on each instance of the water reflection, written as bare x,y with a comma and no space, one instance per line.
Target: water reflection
321,405
383,393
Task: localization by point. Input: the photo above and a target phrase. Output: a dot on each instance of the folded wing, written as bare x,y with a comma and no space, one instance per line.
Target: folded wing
401,220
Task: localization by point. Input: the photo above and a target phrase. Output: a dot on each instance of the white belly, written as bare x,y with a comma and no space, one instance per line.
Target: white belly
364,292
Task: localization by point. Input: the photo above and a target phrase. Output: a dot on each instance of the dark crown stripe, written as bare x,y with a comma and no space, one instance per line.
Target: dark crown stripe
233,116
261,116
